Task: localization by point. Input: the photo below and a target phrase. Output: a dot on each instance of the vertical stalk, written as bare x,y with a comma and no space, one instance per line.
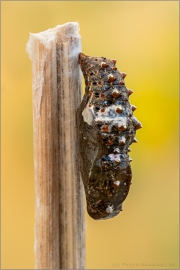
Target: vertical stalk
59,210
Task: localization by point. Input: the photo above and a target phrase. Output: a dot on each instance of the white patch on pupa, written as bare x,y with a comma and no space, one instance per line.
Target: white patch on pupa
115,157
109,209
122,140
109,111
88,115
117,183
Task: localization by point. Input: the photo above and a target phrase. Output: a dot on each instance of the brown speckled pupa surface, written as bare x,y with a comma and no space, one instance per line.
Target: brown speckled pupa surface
107,128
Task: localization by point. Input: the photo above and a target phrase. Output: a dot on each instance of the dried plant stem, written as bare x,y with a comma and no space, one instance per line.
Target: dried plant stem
59,225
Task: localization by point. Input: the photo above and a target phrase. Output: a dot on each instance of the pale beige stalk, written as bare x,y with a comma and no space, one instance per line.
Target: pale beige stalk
59,224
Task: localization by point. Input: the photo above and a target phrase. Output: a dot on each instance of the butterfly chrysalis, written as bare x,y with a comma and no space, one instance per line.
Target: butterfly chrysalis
106,129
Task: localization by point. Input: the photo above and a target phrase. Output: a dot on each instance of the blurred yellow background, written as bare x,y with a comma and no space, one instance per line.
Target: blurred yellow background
143,37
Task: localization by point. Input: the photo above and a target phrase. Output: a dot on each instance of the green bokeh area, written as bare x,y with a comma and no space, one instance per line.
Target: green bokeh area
144,38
